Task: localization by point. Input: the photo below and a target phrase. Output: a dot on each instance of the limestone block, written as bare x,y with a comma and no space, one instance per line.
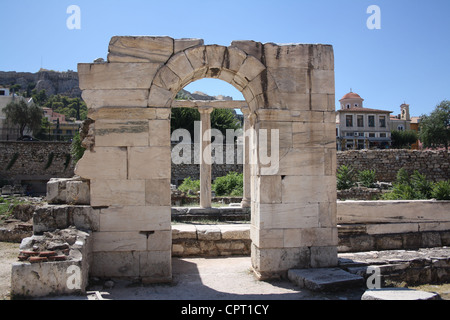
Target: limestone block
119,241
327,216
308,189
270,189
215,55
184,231
234,232
208,232
159,133
151,49
267,238
250,47
287,55
155,266
56,190
291,80
313,134
166,78
289,215
234,59
272,262
323,102
183,44
117,113
113,162
149,163
159,240
160,97
115,98
157,192
135,218
296,101
78,192
163,113
251,68
197,58
181,66
121,133
309,237
322,57
292,115
303,162
322,81
116,75
324,256
115,264
117,193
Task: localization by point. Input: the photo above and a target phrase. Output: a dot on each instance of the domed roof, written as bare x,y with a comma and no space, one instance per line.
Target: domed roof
351,95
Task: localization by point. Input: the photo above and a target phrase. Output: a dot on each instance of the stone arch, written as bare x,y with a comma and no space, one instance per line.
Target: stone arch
230,64
289,88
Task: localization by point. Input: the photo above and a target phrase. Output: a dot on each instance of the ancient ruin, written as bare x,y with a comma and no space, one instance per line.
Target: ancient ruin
286,87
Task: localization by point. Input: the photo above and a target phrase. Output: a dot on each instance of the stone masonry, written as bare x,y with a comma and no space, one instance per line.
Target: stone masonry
289,88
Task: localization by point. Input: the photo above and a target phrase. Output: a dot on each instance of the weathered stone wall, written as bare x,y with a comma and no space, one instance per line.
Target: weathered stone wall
34,163
434,164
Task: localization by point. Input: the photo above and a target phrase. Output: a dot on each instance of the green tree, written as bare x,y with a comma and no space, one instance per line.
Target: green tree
403,139
435,128
23,115
345,177
76,149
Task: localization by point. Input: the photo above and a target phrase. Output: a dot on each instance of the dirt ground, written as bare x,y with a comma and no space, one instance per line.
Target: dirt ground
8,254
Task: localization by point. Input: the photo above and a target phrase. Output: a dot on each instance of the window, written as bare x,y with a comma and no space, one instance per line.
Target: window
371,135
356,105
400,127
382,121
349,120
360,121
348,106
371,121
382,135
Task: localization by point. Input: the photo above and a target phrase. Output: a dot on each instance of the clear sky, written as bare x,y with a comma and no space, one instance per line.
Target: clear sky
407,60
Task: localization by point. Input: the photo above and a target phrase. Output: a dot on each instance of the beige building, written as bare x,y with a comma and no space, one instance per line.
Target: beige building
8,132
401,122
358,127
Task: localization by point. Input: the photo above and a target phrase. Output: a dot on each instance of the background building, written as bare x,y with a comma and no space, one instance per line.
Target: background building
8,132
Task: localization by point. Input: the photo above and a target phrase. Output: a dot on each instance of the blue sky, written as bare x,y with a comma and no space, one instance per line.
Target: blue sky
407,60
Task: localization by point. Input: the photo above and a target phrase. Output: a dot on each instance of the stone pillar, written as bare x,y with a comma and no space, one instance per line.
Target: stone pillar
205,157
246,198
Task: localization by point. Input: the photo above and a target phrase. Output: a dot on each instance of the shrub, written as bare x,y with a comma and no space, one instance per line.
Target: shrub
232,184
402,176
441,190
189,184
344,177
421,186
367,178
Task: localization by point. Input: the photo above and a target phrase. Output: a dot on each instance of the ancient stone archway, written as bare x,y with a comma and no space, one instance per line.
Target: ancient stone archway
288,88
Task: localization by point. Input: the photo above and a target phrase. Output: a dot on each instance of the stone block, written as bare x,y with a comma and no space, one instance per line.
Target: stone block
324,279
270,189
324,256
113,162
118,113
208,232
116,75
117,193
160,97
159,240
149,163
308,189
121,133
135,218
115,264
235,232
180,65
398,294
288,216
250,68
250,47
56,191
215,55
184,231
287,55
183,44
78,192
157,192
166,78
115,98
119,241
291,80
155,266
309,237
267,238
159,133
141,49
313,135
322,83
303,162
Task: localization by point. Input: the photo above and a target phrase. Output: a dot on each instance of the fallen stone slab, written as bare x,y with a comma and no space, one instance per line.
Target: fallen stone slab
398,294
324,279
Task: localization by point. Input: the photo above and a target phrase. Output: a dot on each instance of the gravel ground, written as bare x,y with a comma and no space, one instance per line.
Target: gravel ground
8,254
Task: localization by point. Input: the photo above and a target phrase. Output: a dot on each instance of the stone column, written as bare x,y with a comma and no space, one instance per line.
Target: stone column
205,157
246,198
